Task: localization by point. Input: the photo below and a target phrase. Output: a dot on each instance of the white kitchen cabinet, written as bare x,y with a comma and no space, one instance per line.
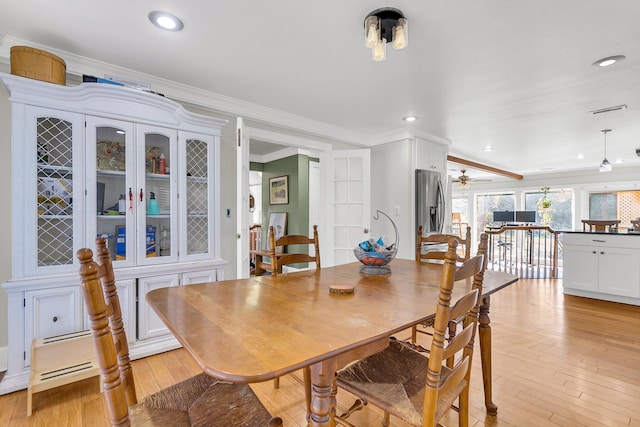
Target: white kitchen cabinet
604,266
431,155
85,161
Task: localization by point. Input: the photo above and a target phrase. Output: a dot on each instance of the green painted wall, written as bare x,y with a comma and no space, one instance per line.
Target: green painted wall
297,168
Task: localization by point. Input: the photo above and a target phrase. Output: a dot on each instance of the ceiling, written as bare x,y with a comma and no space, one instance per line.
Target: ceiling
513,75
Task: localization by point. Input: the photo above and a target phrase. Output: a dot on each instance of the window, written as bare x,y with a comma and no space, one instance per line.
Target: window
459,215
487,203
622,205
561,210
461,205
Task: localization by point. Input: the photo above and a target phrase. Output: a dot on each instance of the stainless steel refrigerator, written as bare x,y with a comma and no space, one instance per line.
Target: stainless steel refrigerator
430,202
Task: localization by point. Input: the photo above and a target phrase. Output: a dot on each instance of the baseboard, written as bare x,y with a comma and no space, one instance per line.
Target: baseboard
4,358
11,383
150,347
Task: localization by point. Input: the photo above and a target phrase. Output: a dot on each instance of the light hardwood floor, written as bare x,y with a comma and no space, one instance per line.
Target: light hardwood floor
557,360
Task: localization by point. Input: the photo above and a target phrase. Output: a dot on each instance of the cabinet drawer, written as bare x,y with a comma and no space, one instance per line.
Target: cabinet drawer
605,240
203,276
51,312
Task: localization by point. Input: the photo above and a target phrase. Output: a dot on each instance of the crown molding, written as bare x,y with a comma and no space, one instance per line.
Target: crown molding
78,65
406,133
284,139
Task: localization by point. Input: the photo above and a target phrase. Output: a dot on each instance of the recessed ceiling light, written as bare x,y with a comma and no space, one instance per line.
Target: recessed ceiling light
410,118
610,60
580,156
165,20
488,148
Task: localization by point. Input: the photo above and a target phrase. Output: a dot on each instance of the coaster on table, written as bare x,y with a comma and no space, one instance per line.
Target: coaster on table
341,289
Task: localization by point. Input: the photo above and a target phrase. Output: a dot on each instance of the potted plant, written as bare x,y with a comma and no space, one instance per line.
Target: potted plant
544,206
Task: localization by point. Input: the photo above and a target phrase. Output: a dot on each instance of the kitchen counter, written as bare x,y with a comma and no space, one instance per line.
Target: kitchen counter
624,232
602,265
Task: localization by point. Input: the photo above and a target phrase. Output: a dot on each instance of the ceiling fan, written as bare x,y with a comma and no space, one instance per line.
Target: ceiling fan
464,180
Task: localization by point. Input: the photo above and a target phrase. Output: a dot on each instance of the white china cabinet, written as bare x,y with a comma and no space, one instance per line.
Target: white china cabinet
103,160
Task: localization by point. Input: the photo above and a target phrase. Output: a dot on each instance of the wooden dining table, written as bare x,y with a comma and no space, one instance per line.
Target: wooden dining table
256,329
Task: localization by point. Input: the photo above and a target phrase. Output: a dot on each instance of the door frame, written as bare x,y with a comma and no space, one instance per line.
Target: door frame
246,133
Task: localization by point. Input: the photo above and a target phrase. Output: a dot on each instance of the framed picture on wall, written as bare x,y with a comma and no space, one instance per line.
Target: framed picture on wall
279,190
278,220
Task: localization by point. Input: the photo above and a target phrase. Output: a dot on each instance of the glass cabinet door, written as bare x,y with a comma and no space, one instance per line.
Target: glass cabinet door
111,187
52,158
198,183
157,194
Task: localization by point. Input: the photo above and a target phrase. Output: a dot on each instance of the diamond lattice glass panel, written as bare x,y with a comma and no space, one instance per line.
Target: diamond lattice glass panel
197,197
54,192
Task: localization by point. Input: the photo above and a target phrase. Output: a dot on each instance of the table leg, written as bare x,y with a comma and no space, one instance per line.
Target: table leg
484,329
323,398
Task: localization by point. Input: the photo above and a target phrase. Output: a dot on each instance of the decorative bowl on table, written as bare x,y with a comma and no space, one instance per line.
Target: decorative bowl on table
375,262
375,256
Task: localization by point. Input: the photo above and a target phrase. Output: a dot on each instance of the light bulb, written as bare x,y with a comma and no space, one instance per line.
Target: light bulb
400,35
371,36
379,51
166,22
605,166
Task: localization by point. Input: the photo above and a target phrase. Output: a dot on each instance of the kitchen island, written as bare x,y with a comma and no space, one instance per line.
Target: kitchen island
602,265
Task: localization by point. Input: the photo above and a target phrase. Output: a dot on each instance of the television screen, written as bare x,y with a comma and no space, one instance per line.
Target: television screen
526,216
503,216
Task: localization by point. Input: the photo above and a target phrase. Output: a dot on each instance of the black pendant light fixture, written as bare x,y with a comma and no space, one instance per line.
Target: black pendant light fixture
605,166
382,26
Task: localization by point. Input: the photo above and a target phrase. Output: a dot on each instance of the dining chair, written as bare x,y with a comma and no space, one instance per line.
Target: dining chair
437,243
600,225
436,253
457,226
420,388
281,251
200,400
635,224
281,254
255,232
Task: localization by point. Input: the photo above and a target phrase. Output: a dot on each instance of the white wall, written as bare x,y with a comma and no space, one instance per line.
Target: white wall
392,193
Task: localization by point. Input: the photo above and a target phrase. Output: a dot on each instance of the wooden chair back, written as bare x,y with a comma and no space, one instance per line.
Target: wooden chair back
457,226
280,250
442,350
255,233
118,383
405,383
600,225
200,399
636,225
108,281
439,241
